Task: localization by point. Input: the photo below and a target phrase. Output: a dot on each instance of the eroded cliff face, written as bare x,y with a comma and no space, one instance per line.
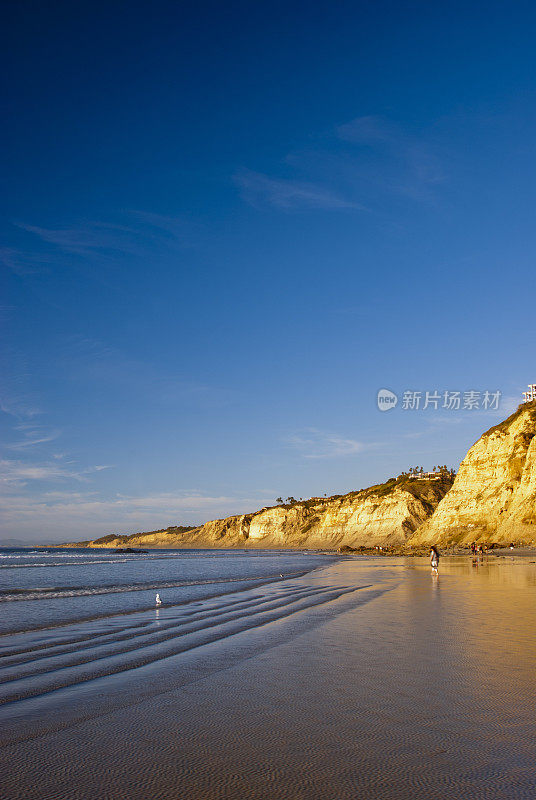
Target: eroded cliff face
493,498
361,519
381,515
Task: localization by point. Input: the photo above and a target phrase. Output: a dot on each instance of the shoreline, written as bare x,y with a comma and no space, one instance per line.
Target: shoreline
386,550
330,701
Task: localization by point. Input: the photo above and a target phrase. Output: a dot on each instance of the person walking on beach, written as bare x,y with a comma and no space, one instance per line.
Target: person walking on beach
434,559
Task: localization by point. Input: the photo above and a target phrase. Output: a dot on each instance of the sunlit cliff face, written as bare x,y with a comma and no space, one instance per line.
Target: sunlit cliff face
384,515
494,495
493,499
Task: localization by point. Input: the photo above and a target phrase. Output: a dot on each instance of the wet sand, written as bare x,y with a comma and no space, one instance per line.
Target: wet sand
400,686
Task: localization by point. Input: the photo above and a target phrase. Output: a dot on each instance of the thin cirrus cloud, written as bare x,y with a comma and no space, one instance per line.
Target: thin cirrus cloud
28,431
405,163
16,475
87,359
369,130
16,397
33,438
127,505
88,238
356,166
313,443
63,515
19,473
23,263
108,238
287,194
18,404
132,233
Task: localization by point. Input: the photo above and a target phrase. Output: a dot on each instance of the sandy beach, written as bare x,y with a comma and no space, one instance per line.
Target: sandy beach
402,685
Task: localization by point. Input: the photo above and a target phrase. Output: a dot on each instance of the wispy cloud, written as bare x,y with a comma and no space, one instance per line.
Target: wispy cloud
174,501
109,238
22,262
358,166
18,406
75,515
368,130
16,397
21,473
405,163
258,189
313,443
176,230
88,238
33,437
86,359
134,233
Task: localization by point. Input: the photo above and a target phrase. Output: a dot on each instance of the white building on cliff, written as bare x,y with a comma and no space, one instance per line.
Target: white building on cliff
529,396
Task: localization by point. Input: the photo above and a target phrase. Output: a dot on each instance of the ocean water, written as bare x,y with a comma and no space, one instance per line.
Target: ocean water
45,588
346,678
71,616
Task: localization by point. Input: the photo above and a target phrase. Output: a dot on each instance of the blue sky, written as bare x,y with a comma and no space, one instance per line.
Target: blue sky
225,227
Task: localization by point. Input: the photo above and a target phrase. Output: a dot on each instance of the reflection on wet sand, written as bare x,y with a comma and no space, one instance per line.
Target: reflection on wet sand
413,687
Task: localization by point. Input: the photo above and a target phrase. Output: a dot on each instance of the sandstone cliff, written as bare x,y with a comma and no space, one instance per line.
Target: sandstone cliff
493,498
385,515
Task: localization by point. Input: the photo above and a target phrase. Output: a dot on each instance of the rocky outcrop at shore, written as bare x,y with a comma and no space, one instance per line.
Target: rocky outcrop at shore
493,498
383,515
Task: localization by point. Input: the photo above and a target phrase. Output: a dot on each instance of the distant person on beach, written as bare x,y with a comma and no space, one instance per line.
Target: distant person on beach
434,559
158,601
